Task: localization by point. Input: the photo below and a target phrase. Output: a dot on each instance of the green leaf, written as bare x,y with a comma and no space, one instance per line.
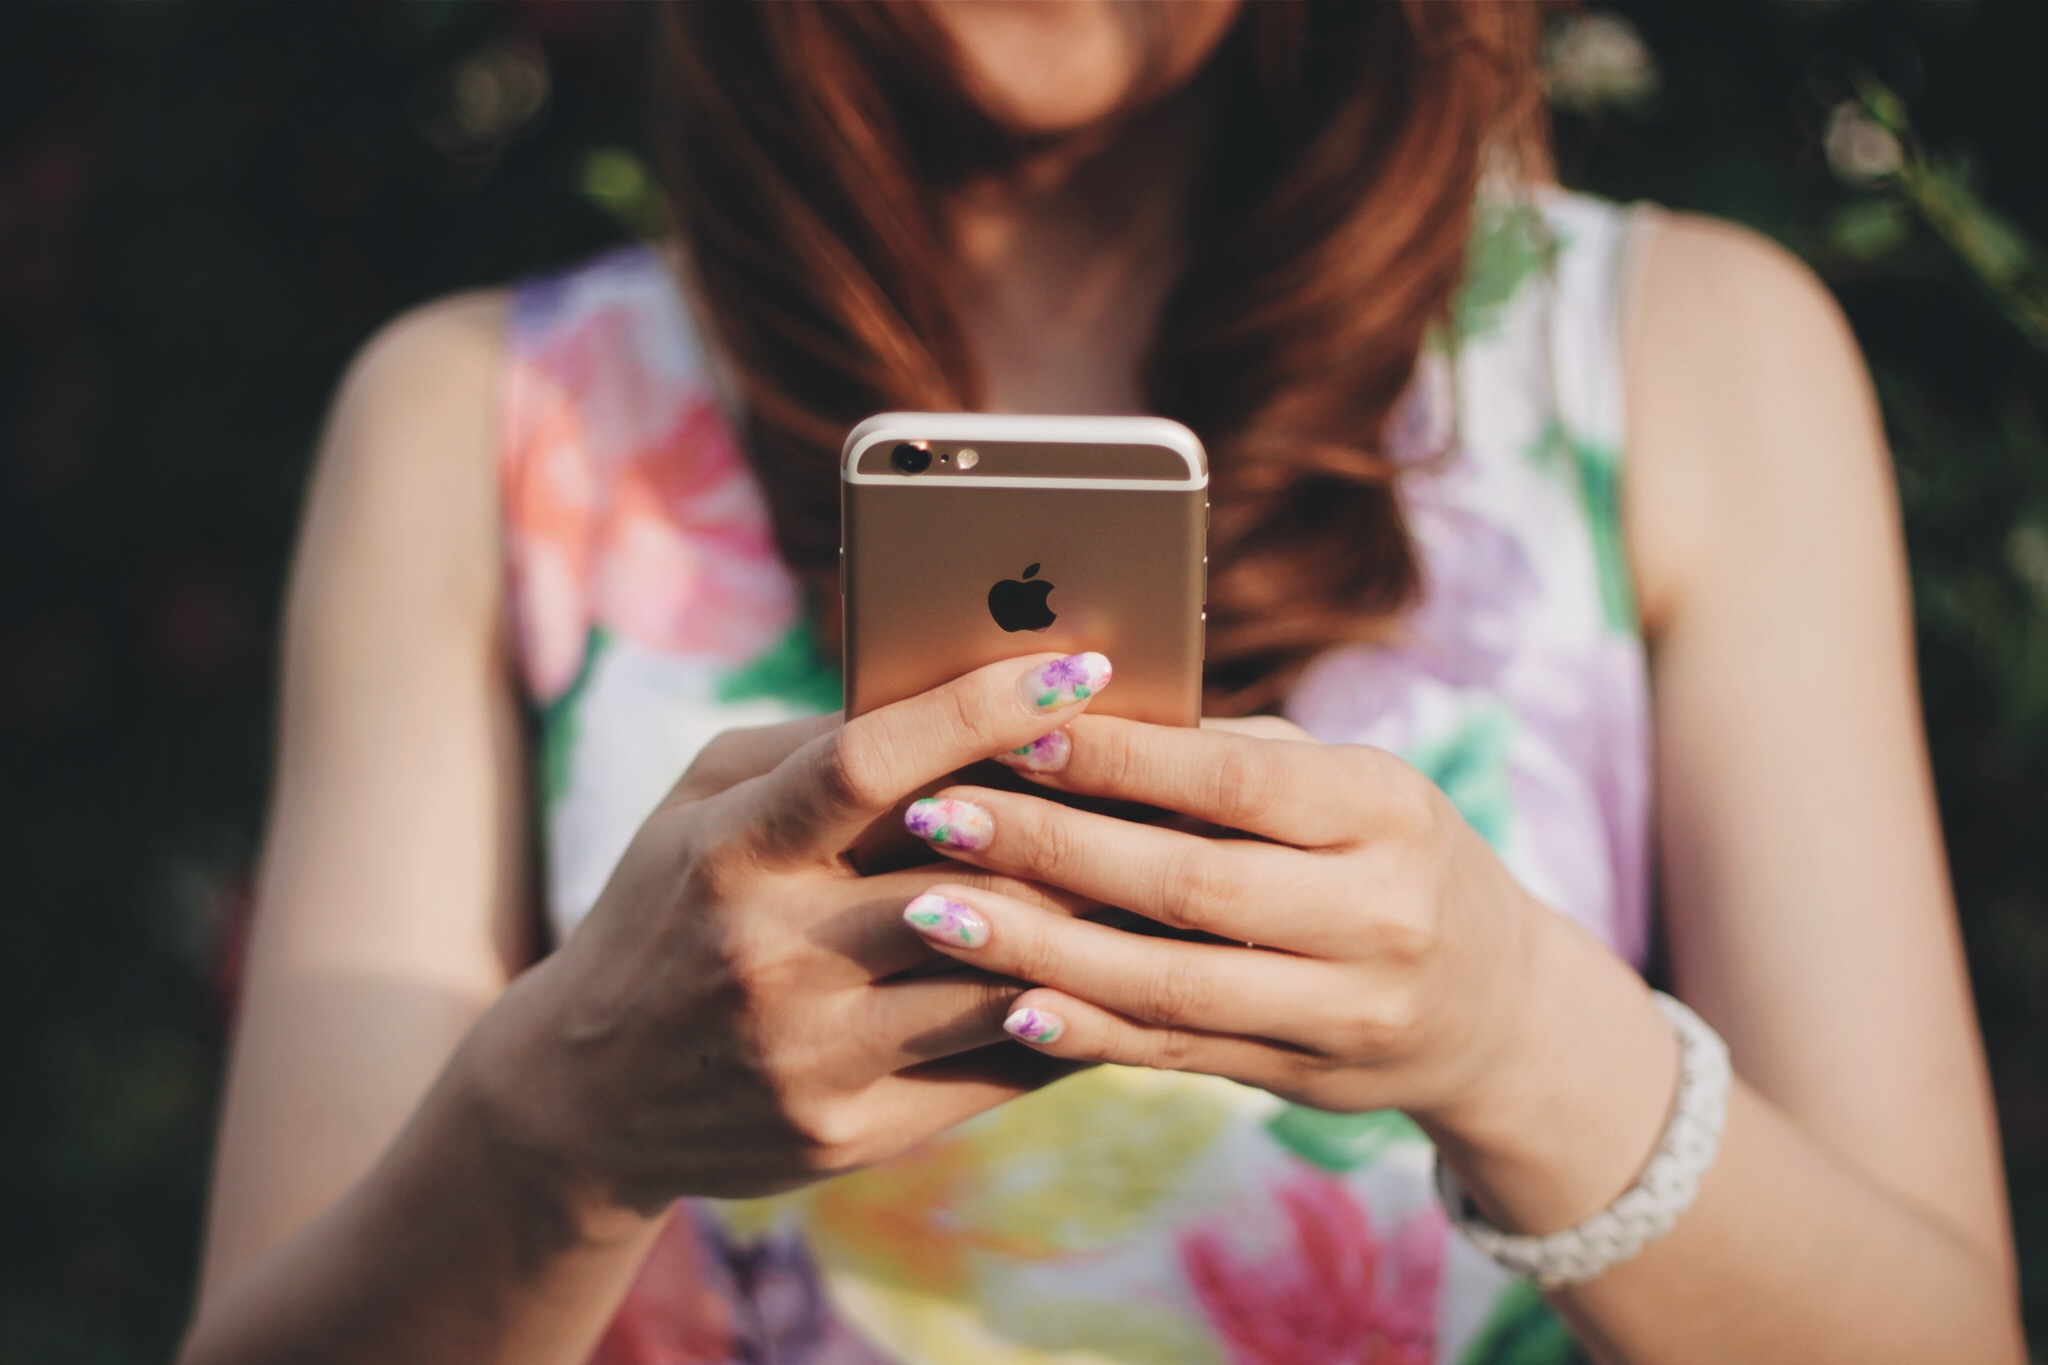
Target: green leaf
1871,229
1340,1142
1522,1330
620,183
1596,472
558,723
1511,243
1471,768
793,670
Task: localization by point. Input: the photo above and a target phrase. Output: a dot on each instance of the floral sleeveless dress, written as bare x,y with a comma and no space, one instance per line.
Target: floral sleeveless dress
1121,1215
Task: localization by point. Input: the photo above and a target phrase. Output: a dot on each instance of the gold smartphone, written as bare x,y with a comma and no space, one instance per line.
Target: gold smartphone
971,537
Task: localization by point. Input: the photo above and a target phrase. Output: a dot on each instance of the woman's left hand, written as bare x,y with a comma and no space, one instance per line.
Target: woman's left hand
1396,957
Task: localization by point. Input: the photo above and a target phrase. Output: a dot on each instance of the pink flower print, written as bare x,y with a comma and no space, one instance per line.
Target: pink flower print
550,493
629,507
674,1313
687,559
1335,1294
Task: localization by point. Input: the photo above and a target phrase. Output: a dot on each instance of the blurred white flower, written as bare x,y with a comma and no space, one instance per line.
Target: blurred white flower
1861,151
2026,554
1597,61
495,95
499,90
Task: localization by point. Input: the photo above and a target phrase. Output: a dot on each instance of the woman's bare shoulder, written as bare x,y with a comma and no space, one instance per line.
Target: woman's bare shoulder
474,318
1749,406
406,476
437,364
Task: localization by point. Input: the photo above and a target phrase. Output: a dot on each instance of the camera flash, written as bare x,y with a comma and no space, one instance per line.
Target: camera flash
968,459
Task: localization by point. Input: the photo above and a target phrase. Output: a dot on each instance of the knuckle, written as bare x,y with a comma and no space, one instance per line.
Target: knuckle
764,976
825,1130
1178,994
702,777
717,750
1412,806
1169,1049
1192,887
1398,1017
717,870
1408,931
1031,958
1248,784
757,968
967,716
1115,756
1049,844
849,768
1381,1027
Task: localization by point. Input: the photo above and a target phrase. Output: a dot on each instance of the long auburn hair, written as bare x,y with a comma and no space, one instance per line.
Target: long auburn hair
806,145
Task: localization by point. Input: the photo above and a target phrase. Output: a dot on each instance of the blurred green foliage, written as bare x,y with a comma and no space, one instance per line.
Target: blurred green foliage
205,207
1895,148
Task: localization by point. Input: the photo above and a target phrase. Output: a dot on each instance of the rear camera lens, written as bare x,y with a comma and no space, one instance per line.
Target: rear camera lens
911,457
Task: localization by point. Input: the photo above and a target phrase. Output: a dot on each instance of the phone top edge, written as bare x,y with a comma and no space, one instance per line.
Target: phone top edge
1158,432
1077,484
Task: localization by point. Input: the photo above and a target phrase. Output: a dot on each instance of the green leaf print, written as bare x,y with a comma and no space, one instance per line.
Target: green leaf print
1340,1142
1522,1330
794,669
1595,468
1511,242
558,724
1471,767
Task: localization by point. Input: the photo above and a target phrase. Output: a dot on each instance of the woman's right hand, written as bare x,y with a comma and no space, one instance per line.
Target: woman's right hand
733,1017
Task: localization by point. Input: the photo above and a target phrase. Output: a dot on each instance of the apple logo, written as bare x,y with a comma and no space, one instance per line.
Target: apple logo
1020,605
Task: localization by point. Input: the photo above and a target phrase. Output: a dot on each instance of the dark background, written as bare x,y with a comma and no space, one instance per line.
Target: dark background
204,208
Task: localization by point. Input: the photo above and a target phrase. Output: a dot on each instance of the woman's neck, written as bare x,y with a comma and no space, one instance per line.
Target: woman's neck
1062,267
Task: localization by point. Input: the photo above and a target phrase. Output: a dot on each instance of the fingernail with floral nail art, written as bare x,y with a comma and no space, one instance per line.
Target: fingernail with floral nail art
1046,754
946,921
1034,1026
955,824
1063,682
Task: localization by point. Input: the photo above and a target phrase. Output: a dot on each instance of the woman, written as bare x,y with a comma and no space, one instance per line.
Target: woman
1319,234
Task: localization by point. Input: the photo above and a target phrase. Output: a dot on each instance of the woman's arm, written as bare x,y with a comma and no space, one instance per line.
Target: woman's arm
426,1159
1858,1208
1855,1211
393,896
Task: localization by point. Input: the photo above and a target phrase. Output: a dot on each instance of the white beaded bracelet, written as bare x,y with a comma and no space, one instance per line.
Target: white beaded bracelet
1653,1204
